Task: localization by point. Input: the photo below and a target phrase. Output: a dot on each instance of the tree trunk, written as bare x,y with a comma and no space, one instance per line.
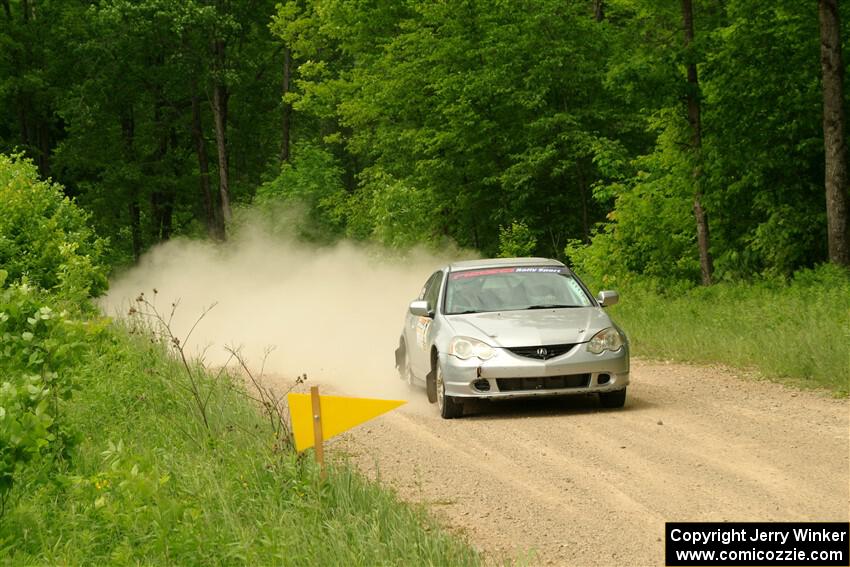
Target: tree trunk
22,64
219,107
159,200
23,123
34,127
598,10
214,228
703,241
162,193
582,188
43,135
287,107
167,219
128,128
135,223
834,138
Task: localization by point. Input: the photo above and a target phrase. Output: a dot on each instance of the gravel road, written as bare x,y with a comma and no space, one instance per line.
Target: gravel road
562,482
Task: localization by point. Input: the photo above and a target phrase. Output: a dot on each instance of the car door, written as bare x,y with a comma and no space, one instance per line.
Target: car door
417,329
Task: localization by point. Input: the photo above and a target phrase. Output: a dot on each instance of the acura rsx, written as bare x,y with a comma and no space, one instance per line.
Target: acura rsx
508,328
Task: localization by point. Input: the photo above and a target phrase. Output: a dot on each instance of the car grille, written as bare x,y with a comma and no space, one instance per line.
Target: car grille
542,352
543,383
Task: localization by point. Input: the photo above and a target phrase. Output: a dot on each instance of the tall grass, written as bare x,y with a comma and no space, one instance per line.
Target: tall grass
146,484
798,331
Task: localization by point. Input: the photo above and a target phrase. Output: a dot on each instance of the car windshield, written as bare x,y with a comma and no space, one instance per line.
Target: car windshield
514,288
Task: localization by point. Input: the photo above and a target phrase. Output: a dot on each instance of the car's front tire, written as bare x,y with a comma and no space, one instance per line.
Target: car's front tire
449,407
614,399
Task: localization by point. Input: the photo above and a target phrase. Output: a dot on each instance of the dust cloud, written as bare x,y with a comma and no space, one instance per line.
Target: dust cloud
334,313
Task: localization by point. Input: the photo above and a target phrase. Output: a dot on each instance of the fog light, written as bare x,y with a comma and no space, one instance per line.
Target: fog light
481,385
603,379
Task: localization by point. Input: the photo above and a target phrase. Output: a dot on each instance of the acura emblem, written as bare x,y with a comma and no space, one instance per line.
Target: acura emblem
542,352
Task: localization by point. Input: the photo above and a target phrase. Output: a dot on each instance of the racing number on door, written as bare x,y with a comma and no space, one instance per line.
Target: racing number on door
422,326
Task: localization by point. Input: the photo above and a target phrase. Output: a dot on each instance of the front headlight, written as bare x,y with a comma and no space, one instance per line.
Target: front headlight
606,339
465,348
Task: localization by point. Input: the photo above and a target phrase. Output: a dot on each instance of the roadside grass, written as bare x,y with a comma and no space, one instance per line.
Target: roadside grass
147,483
797,332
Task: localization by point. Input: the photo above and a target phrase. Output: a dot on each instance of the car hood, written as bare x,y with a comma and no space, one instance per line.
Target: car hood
532,327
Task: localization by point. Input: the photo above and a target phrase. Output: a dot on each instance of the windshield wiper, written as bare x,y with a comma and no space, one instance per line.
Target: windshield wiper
467,312
551,306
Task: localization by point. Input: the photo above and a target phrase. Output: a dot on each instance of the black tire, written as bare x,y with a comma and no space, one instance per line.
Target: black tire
404,371
615,399
431,386
450,408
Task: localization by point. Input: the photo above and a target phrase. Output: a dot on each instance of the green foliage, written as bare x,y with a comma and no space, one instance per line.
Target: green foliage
459,117
761,163
797,331
477,113
765,163
147,485
651,229
386,209
398,214
44,237
110,115
25,424
516,240
311,180
419,122
39,348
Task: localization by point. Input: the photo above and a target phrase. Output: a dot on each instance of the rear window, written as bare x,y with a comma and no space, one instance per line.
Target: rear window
513,288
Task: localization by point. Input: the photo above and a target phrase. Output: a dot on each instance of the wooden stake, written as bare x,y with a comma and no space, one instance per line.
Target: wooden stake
318,437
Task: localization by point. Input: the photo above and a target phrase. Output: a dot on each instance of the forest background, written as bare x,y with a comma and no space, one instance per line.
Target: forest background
691,154
586,131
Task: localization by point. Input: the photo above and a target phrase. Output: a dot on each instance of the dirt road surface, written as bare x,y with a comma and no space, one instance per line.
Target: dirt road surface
564,482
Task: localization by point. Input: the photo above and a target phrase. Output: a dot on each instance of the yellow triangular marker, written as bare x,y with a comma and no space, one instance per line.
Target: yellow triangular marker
338,414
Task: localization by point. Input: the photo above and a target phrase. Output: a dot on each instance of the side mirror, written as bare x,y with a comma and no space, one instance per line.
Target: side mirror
420,308
607,298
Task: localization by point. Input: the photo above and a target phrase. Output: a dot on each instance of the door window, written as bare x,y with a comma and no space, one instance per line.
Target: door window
431,291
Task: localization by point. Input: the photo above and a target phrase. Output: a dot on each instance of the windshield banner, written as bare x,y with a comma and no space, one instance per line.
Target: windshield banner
495,271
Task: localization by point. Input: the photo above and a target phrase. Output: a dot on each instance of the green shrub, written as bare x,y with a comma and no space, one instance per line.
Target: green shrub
312,182
651,230
44,237
308,198
25,423
400,215
516,240
39,348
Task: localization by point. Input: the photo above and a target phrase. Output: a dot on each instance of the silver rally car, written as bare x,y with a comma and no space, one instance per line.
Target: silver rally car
511,327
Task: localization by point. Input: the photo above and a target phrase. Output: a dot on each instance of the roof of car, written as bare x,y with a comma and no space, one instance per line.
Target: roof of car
500,262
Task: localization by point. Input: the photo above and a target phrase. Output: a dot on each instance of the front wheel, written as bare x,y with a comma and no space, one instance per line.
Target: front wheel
614,399
449,407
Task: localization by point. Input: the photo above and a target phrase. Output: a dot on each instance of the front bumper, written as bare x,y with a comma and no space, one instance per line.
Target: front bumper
583,371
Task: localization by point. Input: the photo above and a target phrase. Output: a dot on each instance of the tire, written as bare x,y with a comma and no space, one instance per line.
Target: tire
615,399
404,371
450,408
